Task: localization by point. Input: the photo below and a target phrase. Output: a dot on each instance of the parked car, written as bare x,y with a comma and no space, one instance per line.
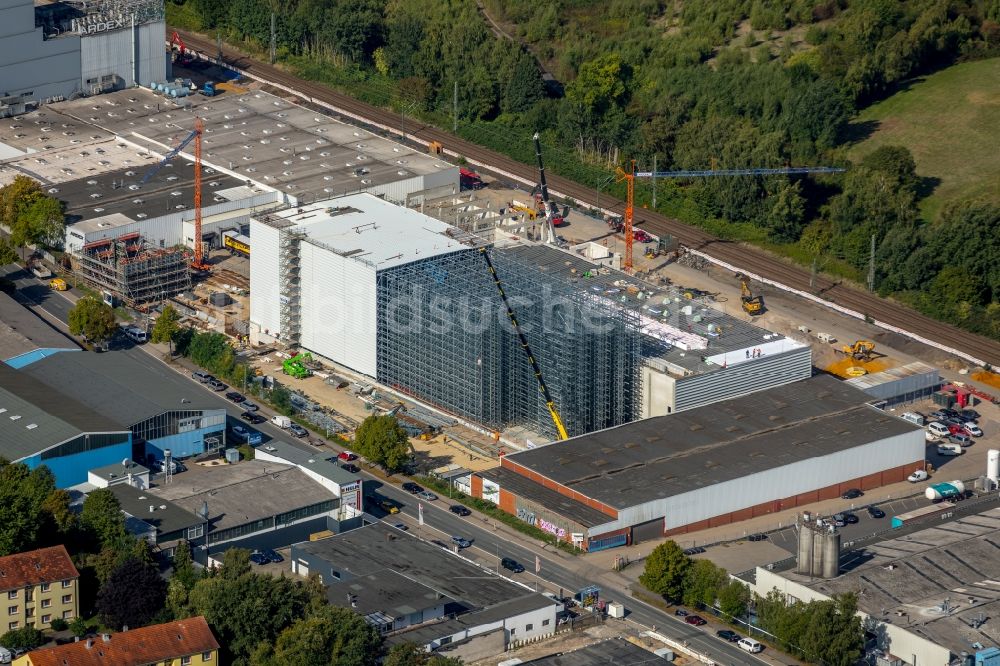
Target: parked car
400,526
347,456
696,620
249,406
750,645
917,476
388,506
937,429
258,557
427,495
413,488
281,421
461,542
970,415
951,413
961,439
459,510
697,550
760,536
353,469
680,612
235,396
216,385
876,512
251,417
246,435
727,635
850,518
972,430
202,377
298,430
852,493
511,565
838,519
938,415
272,556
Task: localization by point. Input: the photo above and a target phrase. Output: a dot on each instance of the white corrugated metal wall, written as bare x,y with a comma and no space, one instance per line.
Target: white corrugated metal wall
112,52
742,379
397,191
264,278
338,307
30,64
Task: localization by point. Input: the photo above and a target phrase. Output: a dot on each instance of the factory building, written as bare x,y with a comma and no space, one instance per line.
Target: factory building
927,597
714,465
40,425
160,415
906,383
56,50
410,301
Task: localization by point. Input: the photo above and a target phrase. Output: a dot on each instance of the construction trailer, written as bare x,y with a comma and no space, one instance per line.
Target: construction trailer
133,269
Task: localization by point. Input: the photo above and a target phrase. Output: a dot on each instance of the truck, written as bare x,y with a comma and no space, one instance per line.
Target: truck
208,89
295,366
945,491
281,421
949,449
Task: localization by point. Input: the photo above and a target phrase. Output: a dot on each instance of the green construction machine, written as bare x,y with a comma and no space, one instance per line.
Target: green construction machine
295,366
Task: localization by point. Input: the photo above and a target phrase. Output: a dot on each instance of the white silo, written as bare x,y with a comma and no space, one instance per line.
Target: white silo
993,466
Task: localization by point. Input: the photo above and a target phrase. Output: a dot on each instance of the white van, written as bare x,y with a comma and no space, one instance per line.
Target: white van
281,421
949,449
913,417
135,334
938,429
750,645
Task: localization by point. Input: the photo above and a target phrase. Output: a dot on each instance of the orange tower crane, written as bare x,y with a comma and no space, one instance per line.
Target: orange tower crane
629,178
199,263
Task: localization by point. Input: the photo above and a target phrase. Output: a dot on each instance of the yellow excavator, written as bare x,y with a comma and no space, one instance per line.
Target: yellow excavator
752,305
861,350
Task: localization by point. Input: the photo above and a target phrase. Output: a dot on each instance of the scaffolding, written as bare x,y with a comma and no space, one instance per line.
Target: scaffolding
443,337
133,269
289,263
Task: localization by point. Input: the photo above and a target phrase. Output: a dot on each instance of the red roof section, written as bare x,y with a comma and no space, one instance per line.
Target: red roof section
45,565
148,645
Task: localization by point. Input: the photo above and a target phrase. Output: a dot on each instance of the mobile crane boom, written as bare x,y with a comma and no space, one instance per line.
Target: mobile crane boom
553,412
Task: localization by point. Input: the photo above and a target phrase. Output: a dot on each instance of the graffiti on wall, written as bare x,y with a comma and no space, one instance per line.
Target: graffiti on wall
551,528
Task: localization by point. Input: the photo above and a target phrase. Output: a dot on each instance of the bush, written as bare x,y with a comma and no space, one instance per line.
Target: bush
27,638
59,624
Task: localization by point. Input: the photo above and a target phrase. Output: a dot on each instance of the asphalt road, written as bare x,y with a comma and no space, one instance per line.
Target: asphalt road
488,543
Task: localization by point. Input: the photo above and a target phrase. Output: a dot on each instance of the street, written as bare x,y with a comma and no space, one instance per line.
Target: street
489,541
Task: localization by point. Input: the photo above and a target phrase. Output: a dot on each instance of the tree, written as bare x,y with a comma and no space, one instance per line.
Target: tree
249,609
665,570
281,398
56,507
166,327
328,637
133,595
383,441
102,516
702,582
235,563
734,599
409,654
22,495
92,319
184,570
27,638
8,255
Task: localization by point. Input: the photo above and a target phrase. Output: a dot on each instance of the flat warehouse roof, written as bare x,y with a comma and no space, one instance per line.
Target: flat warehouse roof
166,516
617,651
670,455
542,496
373,231
118,387
35,416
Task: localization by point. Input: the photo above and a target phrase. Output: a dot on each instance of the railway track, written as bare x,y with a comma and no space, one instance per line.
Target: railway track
748,258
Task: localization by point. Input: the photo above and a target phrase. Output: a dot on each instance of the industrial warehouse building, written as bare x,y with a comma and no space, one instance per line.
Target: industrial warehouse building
926,597
60,49
160,415
412,591
41,425
744,457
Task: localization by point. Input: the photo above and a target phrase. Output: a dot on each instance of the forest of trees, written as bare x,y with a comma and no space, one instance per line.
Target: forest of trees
729,83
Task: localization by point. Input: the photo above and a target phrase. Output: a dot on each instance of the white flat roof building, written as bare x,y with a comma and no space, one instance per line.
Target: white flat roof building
314,269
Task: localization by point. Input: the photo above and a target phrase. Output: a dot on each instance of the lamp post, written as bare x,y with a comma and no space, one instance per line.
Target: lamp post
599,188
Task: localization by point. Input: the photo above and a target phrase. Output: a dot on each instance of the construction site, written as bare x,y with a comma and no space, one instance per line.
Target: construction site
130,267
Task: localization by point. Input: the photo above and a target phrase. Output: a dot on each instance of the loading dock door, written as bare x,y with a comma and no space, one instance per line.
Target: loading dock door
648,531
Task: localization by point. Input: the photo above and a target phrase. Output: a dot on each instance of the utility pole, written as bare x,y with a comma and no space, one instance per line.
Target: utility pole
218,43
654,182
871,266
812,275
273,18
454,109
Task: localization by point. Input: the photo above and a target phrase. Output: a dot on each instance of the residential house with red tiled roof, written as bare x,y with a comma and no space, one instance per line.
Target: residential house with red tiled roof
38,586
187,642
